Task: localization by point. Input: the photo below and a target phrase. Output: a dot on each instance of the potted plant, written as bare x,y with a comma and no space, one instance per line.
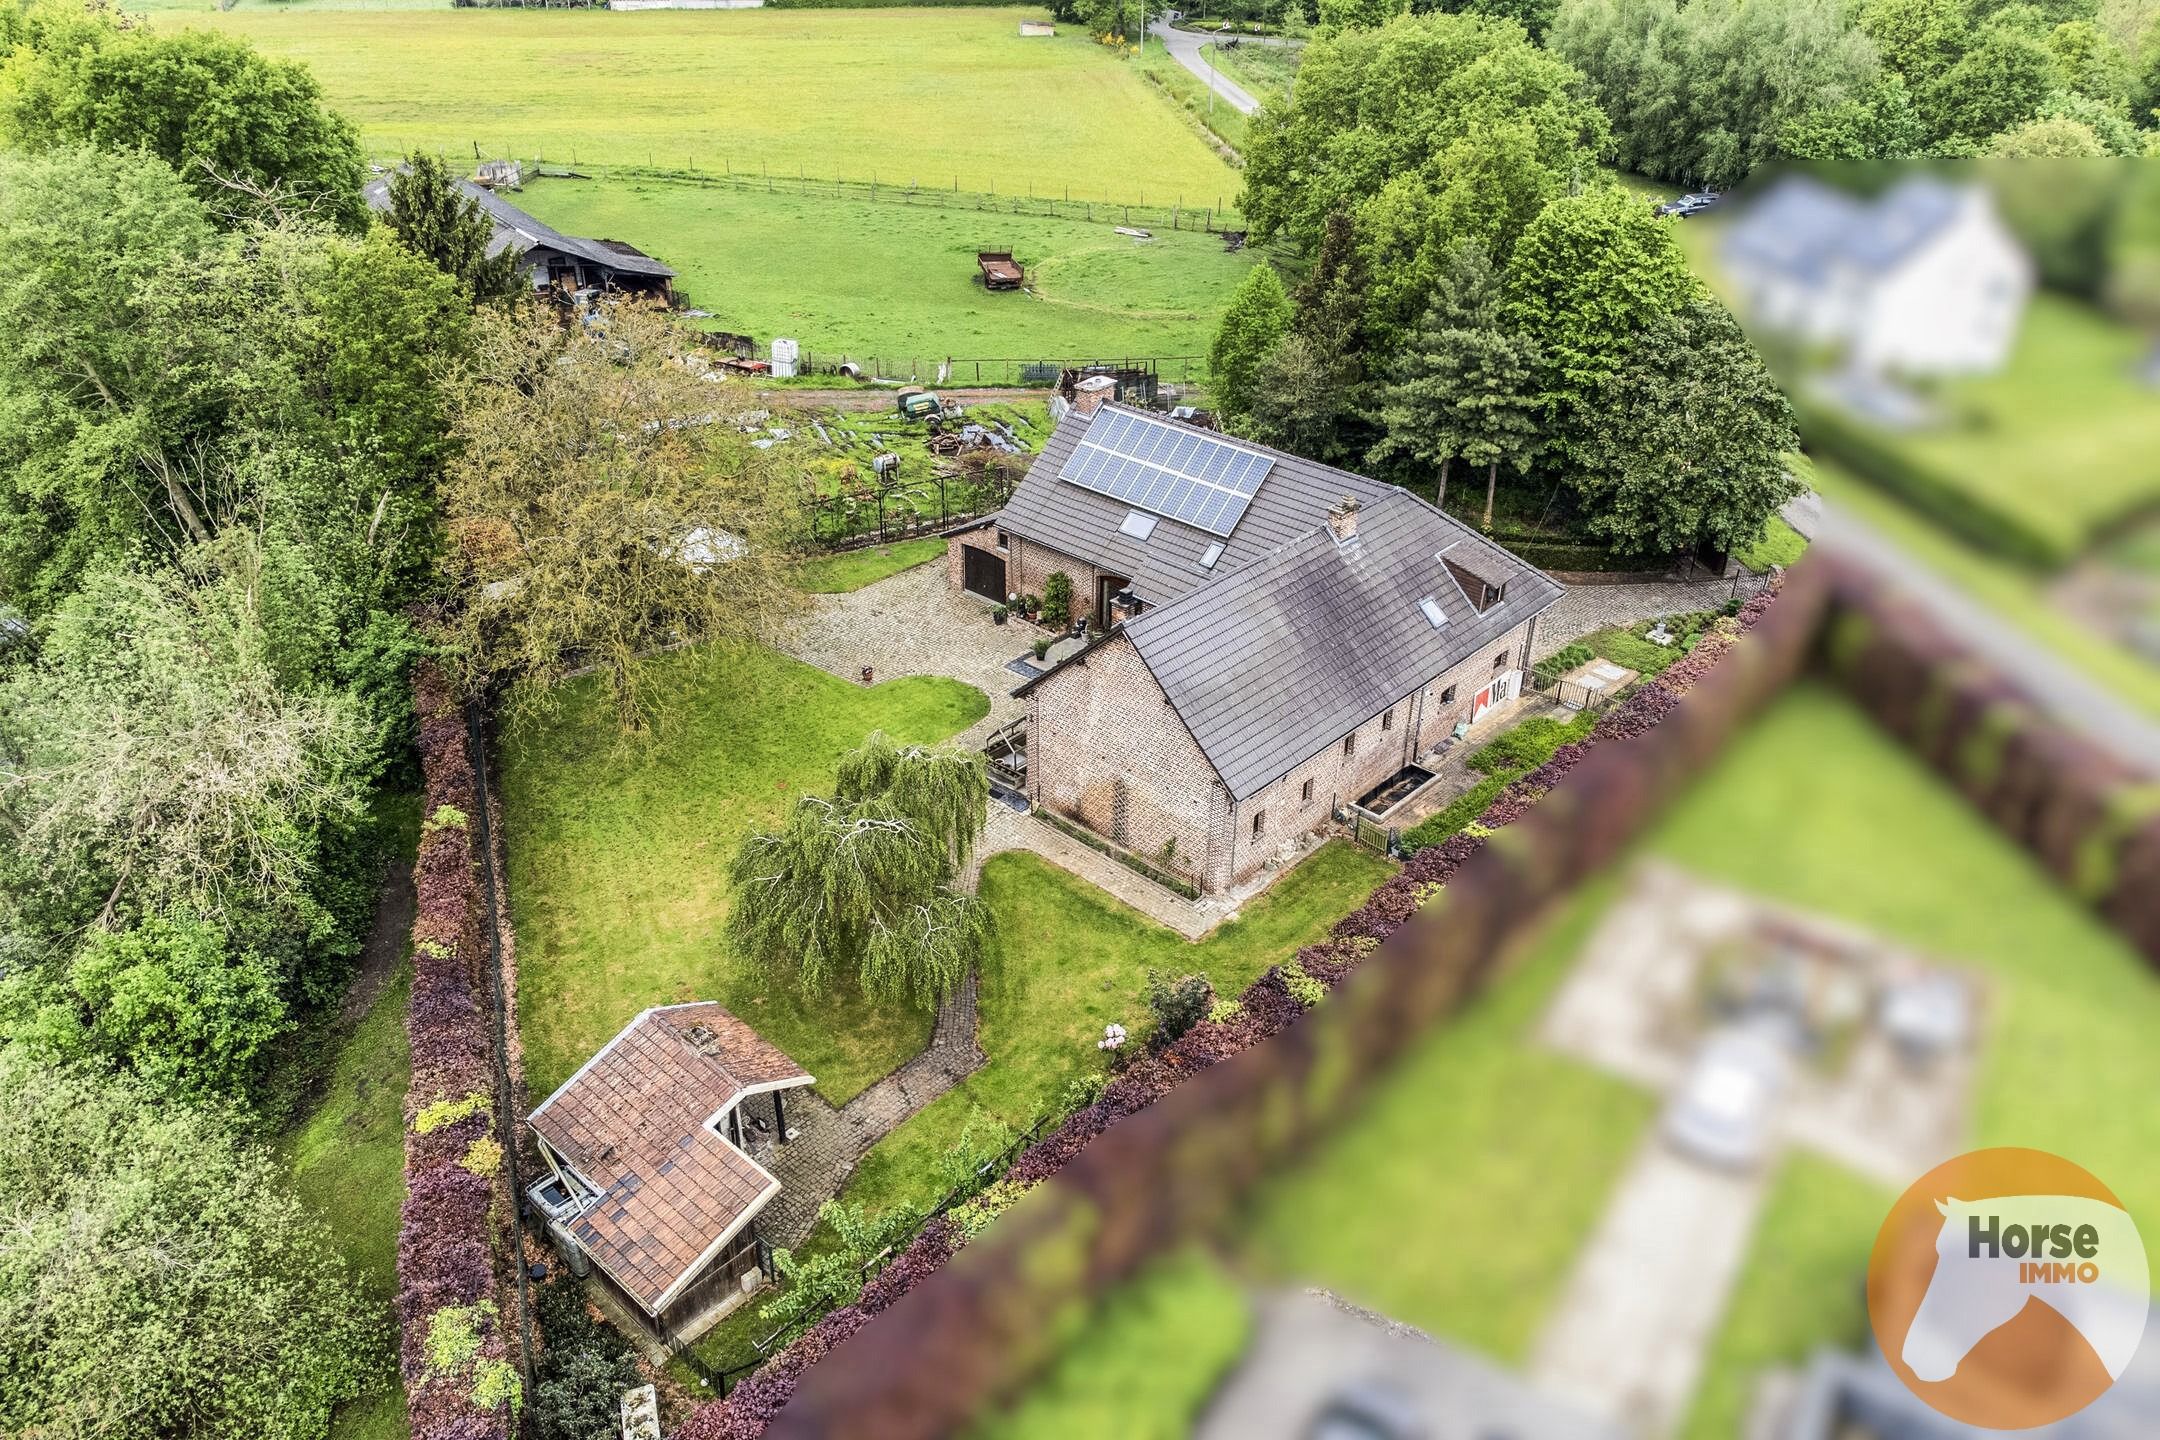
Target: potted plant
999,615
1042,648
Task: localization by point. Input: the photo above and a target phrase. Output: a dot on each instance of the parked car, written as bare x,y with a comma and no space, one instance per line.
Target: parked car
1725,1111
1368,1410
1694,203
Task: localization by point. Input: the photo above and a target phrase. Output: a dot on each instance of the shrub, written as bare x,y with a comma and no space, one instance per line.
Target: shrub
577,1394
1177,1005
1529,744
1303,988
1056,598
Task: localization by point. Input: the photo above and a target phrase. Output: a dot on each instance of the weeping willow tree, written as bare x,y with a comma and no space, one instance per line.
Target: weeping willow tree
863,883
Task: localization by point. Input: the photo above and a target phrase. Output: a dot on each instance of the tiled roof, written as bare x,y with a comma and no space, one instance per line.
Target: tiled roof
1270,665
1084,523
517,230
1290,641
634,1122
1806,229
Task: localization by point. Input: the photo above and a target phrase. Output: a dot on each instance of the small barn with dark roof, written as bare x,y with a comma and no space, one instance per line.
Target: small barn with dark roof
651,1148
549,258
1279,639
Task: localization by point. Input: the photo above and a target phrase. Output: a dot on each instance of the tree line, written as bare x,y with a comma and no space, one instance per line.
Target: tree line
1477,293
260,451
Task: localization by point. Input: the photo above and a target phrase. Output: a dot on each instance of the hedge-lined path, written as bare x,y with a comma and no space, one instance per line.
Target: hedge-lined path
914,623
814,1165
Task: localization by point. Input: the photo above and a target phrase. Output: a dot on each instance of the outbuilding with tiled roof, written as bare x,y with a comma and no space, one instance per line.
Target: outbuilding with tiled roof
651,1148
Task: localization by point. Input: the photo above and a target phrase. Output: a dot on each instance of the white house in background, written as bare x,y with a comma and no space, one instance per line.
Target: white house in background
1923,279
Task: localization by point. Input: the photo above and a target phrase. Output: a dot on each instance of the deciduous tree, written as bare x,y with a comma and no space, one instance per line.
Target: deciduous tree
863,884
1590,275
605,503
249,134
1692,445
1257,316
157,1278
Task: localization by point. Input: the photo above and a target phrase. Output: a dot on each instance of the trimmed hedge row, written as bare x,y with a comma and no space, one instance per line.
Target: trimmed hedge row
1958,508
1267,1009
454,1355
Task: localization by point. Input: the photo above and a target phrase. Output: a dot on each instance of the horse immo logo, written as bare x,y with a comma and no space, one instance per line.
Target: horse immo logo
2008,1288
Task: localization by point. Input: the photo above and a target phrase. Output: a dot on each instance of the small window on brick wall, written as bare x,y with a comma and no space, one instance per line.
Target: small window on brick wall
1447,696
1259,823
1387,719
1499,662
1305,792
1001,540
1349,744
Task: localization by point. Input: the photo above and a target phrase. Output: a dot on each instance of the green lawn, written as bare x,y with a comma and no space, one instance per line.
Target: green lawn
1802,1288
619,855
1817,807
2064,438
1780,545
1072,959
1264,70
868,278
940,96
1456,1195
347,1162
2012,593
838,574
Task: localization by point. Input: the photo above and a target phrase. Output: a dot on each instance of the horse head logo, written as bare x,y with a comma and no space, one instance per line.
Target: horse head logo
2081,1257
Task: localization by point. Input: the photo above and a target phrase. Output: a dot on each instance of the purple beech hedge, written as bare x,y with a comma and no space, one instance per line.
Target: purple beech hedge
446,1233
1264,1010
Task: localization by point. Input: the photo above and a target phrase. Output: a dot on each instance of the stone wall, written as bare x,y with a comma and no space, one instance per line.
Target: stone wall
1105,749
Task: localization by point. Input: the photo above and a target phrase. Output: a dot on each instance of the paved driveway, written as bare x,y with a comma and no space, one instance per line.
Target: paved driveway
914,623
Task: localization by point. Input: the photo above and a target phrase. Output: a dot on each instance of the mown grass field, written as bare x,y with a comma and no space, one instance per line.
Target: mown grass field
619,855
944,97
868,278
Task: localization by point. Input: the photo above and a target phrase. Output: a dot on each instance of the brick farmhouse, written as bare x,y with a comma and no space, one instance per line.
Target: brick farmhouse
1262,658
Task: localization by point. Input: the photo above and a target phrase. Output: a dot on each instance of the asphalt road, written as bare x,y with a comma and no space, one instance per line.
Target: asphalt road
1184,47
2058,687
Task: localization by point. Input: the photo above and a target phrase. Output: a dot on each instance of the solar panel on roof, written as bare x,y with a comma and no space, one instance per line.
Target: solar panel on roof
1155,466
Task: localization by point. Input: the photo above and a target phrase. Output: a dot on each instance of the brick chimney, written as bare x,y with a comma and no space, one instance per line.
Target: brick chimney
1343,520
1089,394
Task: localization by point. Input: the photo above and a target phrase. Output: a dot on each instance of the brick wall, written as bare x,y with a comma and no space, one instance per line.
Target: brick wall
1383,745
1105,749
1027,565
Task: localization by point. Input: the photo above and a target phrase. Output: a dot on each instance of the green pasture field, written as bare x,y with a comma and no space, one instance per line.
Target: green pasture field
865,278
1264,70
942,96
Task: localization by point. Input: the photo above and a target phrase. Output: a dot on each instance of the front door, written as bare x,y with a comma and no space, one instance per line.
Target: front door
982,573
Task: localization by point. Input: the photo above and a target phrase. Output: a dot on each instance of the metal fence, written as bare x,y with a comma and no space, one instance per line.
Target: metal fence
1207,214
922,507
1002,370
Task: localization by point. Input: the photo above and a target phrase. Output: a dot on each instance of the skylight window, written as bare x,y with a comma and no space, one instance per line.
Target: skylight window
1209,556
1138,525
1433,613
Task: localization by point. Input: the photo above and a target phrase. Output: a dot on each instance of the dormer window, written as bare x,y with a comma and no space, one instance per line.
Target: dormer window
1482,591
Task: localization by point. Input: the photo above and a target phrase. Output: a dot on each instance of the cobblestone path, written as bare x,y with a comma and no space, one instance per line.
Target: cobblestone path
814,1165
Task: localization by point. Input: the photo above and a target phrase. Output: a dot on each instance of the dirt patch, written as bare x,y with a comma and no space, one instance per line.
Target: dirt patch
387,935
